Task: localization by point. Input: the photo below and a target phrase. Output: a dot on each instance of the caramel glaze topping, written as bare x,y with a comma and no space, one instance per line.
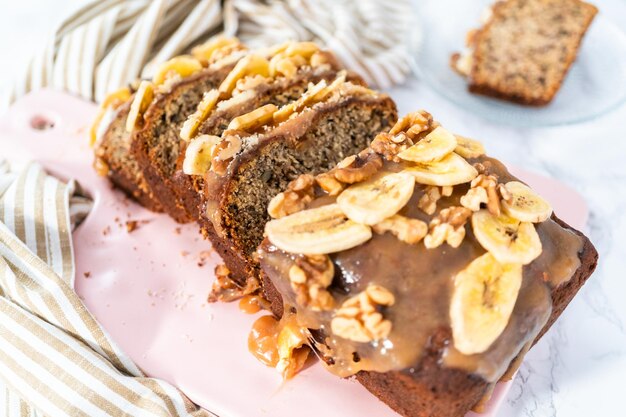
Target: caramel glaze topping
422,281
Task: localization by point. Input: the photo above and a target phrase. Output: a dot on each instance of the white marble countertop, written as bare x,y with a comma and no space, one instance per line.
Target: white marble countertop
578,369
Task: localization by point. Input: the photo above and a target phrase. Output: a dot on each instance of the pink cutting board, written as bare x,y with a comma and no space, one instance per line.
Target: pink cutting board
148,288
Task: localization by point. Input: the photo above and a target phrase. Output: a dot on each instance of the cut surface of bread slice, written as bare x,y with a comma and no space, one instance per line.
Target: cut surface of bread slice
248,167
114,159
156,144
276,91
428,271
159,145
525,49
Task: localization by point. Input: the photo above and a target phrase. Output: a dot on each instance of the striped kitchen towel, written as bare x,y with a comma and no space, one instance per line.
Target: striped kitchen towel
110,43
55,359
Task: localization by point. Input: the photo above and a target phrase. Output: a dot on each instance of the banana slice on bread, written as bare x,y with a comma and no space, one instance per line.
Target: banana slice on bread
524,204
317,231
377,198
434,147
506,238
482,302
451,170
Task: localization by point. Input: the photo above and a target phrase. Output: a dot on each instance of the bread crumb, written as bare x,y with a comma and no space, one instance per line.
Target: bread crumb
87,274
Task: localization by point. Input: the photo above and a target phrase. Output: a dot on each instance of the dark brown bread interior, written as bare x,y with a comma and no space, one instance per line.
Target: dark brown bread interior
527,48
279,92
122,168
428,390
156,146
335,132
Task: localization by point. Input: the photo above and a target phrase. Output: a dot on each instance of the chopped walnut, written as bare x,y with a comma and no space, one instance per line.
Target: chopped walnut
357,168
287,66
223,152
359,318
413,124
320,58
483,191
225,289
310,277
428,202
407,230
329,183
248,83
432,194
391,145
295,198
448,226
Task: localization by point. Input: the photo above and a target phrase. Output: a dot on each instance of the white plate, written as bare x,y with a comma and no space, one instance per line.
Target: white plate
595,84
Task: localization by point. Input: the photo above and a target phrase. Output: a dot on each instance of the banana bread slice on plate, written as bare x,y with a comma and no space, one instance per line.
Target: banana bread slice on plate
427,270
262,151
524,49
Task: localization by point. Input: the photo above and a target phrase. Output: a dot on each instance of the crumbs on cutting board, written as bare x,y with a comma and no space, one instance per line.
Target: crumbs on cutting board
203,257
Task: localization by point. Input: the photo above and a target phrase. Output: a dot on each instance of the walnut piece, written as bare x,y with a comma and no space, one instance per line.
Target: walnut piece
359,318
448,226
483,190
223,152
413,124
295,198
391,145
432,193
329,183
225,289
357,168
310,277
407,230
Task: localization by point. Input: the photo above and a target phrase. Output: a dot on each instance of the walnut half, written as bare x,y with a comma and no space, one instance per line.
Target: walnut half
448,226
359,319
310,277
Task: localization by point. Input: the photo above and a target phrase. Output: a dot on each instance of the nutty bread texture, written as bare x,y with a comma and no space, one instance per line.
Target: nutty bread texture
156,146
113,156
279,92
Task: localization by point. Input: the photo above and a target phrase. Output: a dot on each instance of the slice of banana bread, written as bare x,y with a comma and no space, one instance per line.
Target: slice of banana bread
524,49
276,91
262,151
112,132
112,150
156,142
421,266
158,145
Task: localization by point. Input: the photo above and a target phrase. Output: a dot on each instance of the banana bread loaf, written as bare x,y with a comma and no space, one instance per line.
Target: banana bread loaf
524,49
427,270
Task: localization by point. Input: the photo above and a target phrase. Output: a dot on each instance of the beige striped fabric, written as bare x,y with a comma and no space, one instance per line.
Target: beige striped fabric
110,43
55,359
